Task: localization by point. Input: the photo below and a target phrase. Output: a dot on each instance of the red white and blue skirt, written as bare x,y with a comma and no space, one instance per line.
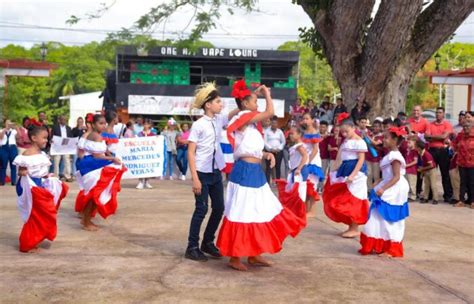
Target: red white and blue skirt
384,231
343,202
38,202
296,189
255,221
100,183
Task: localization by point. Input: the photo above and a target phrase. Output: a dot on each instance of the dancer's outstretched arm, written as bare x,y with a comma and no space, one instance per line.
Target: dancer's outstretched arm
269,110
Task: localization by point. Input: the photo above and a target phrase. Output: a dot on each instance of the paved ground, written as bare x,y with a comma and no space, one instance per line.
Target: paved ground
137,257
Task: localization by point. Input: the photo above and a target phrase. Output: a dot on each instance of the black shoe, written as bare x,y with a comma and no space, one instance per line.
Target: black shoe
195,254
423,201
453,201
434,202
211,250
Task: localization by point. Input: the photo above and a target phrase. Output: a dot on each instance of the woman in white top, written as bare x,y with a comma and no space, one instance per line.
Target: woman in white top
255,221
39,194
8,151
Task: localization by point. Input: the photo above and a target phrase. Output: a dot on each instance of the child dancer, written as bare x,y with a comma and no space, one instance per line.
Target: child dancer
147,131
100,174
293,191
345,192
383,232
39,194
80,152
311,138
255,222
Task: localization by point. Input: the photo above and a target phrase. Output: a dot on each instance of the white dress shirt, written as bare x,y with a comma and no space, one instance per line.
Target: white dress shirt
63,131
11,138
274,140
206,133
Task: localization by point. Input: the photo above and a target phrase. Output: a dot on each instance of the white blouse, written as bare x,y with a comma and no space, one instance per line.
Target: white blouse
94,147
386,164
351,147
295,156
248,143
37,165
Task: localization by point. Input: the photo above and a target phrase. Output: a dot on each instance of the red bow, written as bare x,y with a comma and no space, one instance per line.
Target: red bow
341,117
89,117
34,122
398,131
240,90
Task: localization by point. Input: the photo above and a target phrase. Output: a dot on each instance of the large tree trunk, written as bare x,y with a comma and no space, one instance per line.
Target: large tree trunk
378,62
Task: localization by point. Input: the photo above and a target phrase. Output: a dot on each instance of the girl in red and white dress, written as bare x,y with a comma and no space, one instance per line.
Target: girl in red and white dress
39,193
295,189
383,233
255,221
100,176
345,192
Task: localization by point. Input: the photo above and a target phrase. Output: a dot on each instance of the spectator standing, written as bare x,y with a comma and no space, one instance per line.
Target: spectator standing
128,132
427,170
339,108
297,110
77,132
418,123
170,135
312,109
324,148
361,109
437,133
463,145
274,143
62,130
182,147
325,113
333,144
8,151
138,126
453,167
469,117
23,142
411,160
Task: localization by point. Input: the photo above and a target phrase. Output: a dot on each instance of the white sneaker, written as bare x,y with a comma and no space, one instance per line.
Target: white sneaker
140,185
171,177
162,177
183,177
147,185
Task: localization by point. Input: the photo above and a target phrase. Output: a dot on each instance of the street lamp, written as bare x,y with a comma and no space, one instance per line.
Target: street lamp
437,59
44,51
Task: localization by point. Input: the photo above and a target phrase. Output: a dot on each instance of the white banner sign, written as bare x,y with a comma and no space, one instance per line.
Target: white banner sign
143,156
180,105
62,146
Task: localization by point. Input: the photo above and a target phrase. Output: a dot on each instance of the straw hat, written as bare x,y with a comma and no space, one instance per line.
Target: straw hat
204,93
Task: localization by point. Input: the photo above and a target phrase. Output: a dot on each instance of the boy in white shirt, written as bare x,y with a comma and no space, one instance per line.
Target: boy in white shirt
205,162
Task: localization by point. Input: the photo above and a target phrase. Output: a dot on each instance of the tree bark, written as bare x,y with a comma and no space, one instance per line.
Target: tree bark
378,62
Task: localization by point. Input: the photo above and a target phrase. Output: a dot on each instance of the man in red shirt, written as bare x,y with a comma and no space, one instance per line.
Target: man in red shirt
463,145
418,124
427,169
437,133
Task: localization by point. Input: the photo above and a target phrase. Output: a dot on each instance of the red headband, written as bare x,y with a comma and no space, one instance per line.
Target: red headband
34,122
240,90
398,131
341,117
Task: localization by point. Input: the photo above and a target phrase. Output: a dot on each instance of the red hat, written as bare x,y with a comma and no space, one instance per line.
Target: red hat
240,90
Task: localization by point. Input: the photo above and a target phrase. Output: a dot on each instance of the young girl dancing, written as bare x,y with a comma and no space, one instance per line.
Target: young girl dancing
383,232
293,191
100,175
345,192
311,138
255,221
39,194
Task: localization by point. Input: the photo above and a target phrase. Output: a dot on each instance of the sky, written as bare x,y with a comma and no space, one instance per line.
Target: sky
29,22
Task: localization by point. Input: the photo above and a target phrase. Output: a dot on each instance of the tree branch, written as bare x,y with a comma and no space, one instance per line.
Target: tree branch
434,26
388,33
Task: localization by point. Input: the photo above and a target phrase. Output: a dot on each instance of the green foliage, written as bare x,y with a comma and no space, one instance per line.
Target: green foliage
315,76
452,56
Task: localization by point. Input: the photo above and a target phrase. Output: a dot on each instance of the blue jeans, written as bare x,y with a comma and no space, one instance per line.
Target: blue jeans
182,160
211,187
7,155
170,157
